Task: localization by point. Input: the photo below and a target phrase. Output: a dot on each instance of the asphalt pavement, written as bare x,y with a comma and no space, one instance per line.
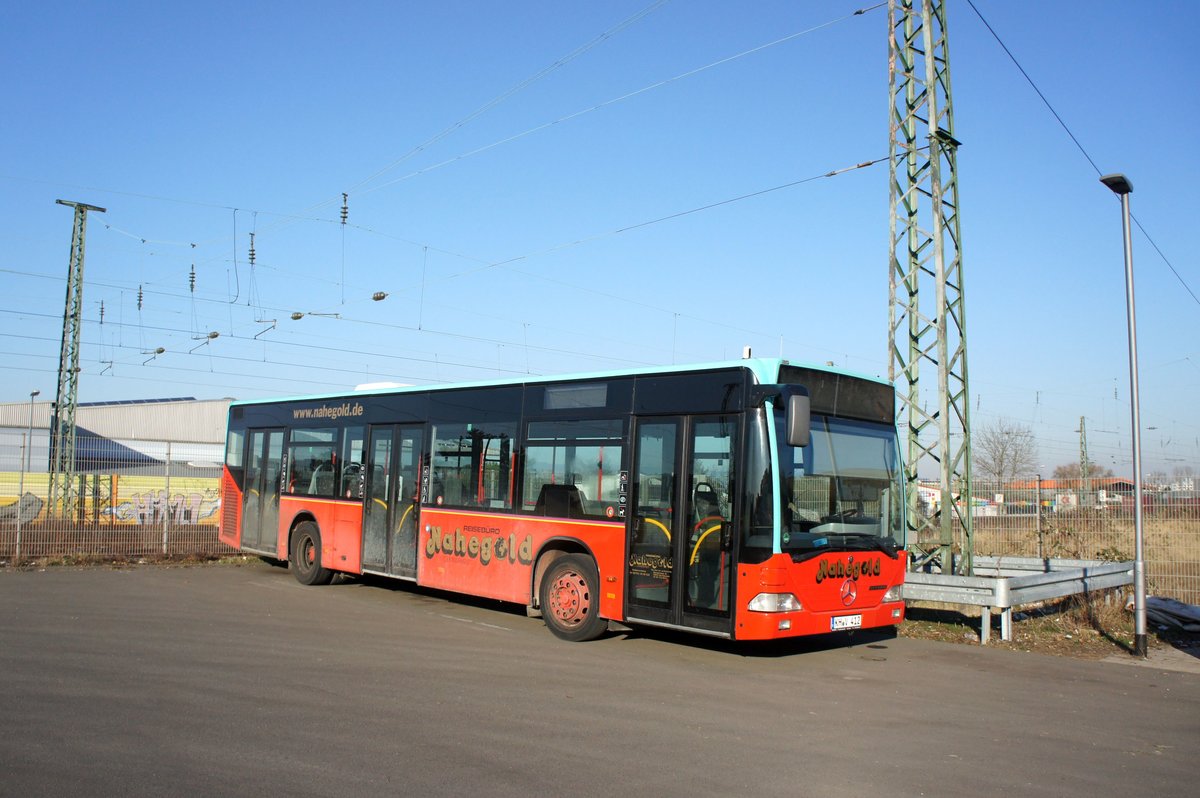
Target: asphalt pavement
227,680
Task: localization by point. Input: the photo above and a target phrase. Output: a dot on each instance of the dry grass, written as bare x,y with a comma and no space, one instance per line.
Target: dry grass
1089,626
1171,546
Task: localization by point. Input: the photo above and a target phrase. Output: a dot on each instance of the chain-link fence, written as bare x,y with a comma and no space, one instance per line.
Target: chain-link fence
159,499
1091,520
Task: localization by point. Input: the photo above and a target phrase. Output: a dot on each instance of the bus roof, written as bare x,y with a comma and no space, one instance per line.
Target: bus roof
765,370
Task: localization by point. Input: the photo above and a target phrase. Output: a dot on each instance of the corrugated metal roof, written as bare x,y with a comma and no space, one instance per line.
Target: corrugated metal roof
183,421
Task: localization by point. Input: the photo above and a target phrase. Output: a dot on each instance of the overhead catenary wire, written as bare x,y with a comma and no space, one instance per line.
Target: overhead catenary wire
338,350
485,265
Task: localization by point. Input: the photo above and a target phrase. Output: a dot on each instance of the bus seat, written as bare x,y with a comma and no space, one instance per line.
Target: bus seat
561,501
453,492
705,501
321,482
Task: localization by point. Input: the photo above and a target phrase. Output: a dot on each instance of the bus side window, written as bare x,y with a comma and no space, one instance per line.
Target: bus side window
474,463
353,464
572,468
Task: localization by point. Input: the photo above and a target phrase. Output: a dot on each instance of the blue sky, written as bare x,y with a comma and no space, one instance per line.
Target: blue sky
497,243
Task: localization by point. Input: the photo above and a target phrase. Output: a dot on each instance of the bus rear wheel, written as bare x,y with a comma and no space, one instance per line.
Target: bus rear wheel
570,599
305,556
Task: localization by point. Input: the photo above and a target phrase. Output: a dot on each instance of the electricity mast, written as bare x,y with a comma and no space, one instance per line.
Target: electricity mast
927,319
64,493
1085,467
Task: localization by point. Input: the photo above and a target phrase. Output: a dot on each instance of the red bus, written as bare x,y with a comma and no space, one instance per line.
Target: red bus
750,500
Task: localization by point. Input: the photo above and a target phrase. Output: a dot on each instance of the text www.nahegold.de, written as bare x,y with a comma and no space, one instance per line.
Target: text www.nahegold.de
327,412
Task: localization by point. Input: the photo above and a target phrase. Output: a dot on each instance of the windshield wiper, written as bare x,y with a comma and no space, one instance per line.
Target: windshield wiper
887,545
844,541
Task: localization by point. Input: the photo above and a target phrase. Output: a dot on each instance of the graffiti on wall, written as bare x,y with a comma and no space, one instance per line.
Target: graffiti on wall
136,500
25,509
155,506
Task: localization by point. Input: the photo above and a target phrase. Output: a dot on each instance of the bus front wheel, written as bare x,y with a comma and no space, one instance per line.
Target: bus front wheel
570,598
306,556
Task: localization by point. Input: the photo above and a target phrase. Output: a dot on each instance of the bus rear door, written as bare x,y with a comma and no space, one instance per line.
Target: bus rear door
391,495
260,507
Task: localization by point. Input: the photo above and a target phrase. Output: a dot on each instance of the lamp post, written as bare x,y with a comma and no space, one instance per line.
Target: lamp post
28,452
1120,185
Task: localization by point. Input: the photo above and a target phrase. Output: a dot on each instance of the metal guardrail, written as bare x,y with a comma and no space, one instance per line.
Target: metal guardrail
1002,583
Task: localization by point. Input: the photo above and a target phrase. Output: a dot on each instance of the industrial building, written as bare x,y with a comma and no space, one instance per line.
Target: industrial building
127,436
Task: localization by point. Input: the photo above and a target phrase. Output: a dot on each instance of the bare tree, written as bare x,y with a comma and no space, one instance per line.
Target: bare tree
1071,471
1003,450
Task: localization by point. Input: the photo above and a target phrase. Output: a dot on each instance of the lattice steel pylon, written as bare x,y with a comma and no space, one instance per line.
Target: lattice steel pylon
927,317
64,493
1085,466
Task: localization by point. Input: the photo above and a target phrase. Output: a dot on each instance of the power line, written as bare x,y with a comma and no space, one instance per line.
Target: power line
506,264
1079,145
340,350
669,217
490,104
658,84
622,98
497,101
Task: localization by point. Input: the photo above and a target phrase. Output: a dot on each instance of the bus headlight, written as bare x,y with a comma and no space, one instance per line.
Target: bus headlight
774,602
895,593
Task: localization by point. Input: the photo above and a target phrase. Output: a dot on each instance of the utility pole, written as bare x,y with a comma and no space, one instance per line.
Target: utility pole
1085,466
64,494
927,317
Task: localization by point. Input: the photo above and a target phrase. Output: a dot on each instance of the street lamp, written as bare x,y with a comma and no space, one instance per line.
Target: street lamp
29,445
1120,185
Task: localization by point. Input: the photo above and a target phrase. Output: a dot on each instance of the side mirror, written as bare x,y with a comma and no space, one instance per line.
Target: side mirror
798,420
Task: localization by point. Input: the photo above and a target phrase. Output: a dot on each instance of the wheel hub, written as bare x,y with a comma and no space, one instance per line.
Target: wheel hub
569,601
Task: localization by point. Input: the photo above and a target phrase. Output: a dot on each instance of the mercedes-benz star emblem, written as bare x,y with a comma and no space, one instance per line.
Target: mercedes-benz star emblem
849,592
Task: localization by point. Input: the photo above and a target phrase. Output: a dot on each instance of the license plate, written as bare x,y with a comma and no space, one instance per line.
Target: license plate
845,622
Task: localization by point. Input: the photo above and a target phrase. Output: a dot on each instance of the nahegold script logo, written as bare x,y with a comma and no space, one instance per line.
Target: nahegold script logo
486,545
848,569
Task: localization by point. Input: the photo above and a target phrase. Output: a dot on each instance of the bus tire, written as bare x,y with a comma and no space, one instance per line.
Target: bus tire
305,556
570,599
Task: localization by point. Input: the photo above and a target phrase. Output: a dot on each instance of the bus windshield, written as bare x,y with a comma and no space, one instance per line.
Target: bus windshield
842,492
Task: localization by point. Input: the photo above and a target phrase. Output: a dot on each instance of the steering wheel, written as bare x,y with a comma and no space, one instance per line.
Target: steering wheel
844,515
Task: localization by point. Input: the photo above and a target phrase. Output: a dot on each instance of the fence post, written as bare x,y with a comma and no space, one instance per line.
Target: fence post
20,493
1039,516
167,508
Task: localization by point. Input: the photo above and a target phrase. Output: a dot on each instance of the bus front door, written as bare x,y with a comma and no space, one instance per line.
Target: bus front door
391,500
679,569
260,507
